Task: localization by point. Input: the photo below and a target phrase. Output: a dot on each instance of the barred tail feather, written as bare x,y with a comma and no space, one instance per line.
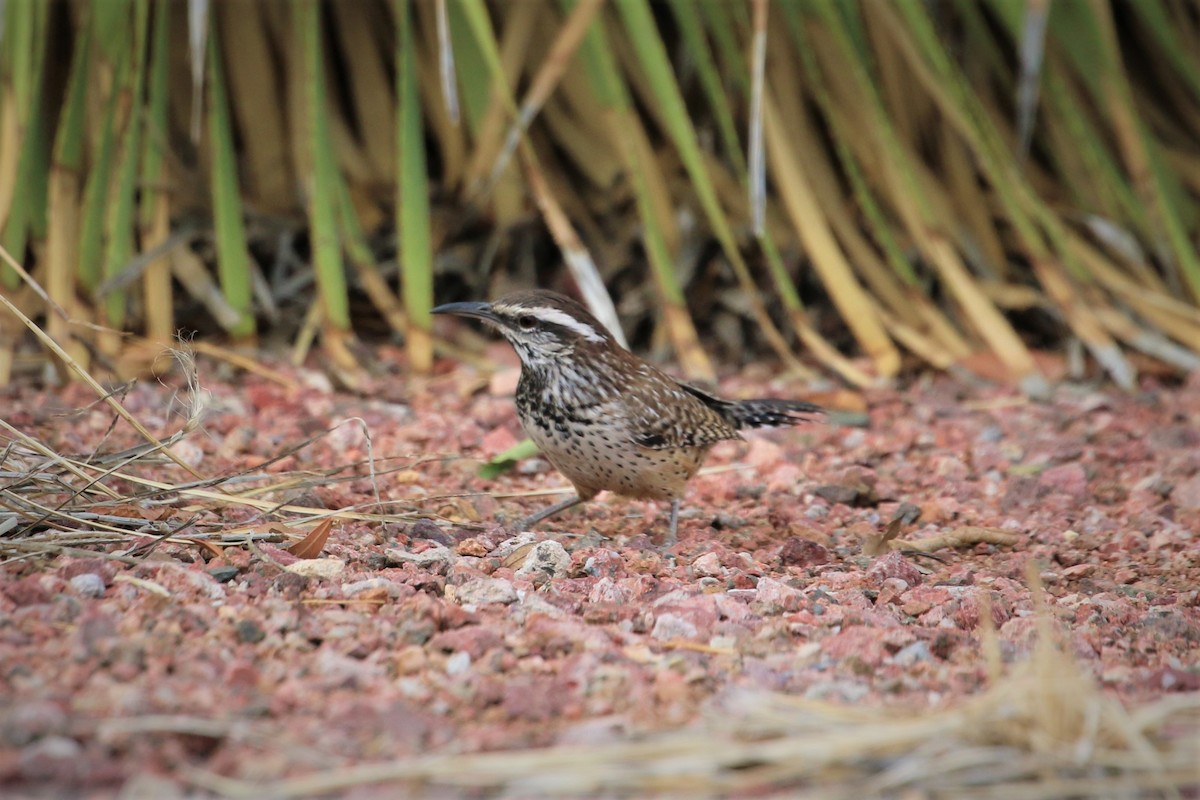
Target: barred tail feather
767,412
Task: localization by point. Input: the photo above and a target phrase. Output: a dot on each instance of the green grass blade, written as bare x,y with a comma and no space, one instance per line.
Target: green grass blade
155,211
233,259
652,56
697,45
119,225
416,248
101,163
157,134
23,203
322,195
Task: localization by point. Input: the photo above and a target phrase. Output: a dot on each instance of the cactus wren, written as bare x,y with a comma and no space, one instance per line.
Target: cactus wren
605,418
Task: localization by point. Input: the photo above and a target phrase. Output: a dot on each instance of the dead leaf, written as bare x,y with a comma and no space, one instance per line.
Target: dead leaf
372,598
966,536
312,545
129,511
881,543
517,557
143,583
211,547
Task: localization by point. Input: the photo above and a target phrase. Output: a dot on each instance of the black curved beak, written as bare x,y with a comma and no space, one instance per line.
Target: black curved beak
477,310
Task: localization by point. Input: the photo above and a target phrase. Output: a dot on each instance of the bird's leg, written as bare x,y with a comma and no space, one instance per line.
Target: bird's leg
674,521
550,511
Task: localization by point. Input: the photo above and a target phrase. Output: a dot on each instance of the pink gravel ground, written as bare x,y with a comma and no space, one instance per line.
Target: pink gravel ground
409,637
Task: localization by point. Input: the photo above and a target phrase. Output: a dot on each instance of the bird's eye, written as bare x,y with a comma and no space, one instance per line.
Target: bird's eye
527,322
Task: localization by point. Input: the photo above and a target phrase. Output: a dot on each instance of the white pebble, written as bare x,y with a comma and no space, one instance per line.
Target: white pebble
89,584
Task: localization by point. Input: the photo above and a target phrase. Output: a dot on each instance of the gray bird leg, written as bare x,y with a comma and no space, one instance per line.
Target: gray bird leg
674,521
534,519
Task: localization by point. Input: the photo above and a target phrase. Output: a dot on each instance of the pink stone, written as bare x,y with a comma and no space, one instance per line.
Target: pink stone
800,552
1066,478
606,590
856,642
893,565
1187,493
497,440
784,478
707,565
504,382
920,599
763,453
474,640
775,596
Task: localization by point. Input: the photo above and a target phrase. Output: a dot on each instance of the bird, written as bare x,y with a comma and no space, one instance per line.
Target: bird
605,418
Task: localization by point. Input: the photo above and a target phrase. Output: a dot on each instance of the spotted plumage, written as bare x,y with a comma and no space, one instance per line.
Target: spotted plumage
606,419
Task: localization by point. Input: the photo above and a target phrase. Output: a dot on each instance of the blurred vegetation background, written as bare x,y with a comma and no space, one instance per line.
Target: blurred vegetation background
867,186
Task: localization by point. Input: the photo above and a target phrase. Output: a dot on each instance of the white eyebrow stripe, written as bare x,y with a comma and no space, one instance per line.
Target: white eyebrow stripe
553,315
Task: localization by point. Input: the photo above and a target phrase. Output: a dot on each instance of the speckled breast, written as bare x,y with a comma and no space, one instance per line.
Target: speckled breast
601,457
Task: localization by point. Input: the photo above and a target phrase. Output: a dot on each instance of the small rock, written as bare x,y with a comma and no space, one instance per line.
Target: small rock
547,559
317,567
49,758
606,590
474,546
99,566
837,493
223,574
458,663
763,453
604,562
497,441
800,552
1066,478
504,382
1125,575
843,692
911,654
187,452
532,466
891,591
290,585
672,626
436,556
893,565
1187,493
483,591
249,631
775,596
992,433
815,512
26,722
474,640
858,642
146,784
1021,492
1077,571
429,530
366,585
28,591
856,489
707,565
88,584
727,522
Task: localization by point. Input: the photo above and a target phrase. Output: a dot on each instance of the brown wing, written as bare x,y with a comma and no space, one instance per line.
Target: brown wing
664,414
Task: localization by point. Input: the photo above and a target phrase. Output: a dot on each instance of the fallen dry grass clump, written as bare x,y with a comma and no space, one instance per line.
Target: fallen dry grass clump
1043,730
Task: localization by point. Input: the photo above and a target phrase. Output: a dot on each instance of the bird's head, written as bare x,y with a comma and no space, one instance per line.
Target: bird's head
542,326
